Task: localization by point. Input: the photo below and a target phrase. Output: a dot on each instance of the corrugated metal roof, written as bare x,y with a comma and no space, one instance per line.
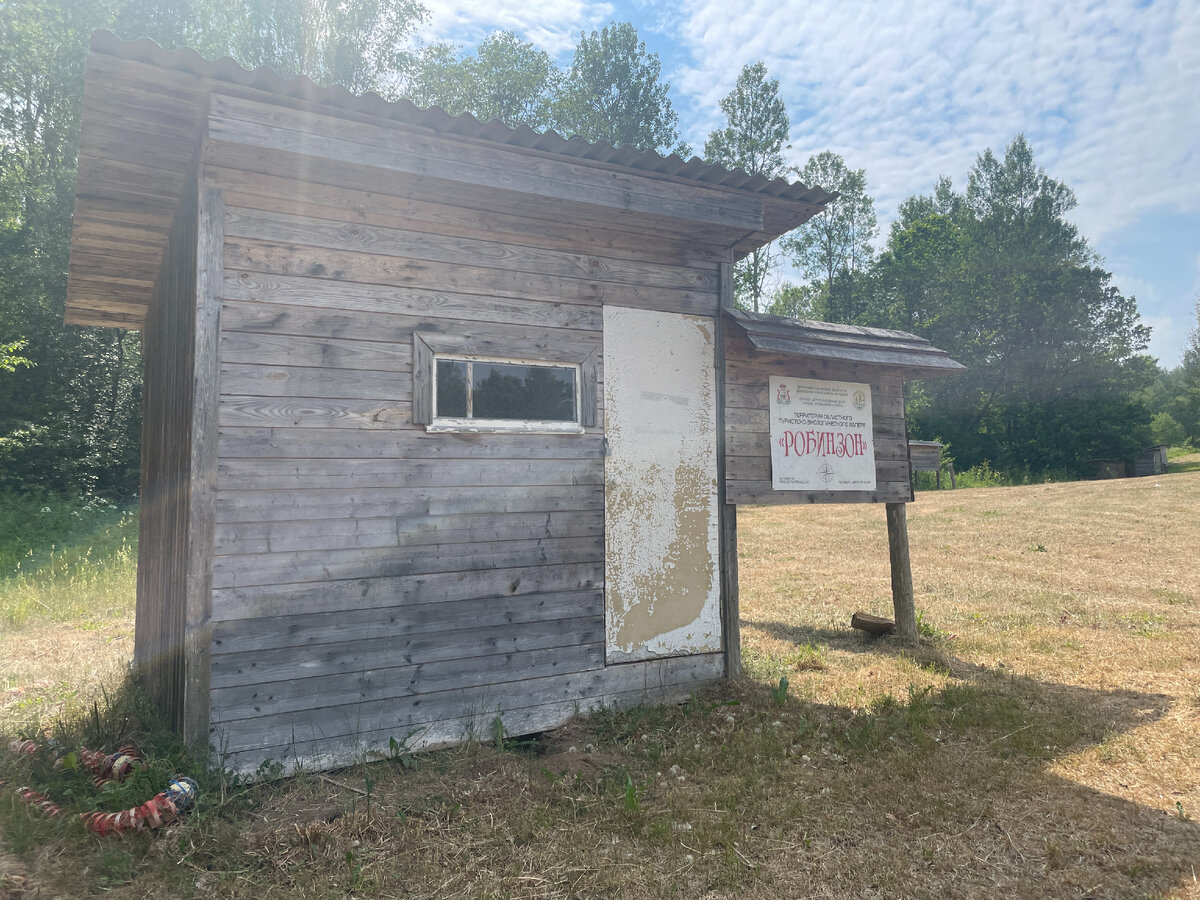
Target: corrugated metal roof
850,343
144,114
465,125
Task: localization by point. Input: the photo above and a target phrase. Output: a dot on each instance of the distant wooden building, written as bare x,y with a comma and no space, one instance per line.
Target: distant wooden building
926,456
443,421
1151,461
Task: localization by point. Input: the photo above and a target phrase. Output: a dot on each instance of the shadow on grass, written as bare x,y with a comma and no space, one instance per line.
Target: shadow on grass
835,638
937,794
984,793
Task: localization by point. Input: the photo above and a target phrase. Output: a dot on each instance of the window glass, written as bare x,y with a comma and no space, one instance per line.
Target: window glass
474,389
538,393
452,388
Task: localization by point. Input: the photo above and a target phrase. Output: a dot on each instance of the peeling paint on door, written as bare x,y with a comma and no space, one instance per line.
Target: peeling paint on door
662,585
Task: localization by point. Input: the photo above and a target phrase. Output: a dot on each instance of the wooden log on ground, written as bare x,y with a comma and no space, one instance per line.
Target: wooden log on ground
876,625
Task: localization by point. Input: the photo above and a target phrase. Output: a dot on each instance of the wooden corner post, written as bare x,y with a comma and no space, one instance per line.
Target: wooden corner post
202,489
902,583
726,512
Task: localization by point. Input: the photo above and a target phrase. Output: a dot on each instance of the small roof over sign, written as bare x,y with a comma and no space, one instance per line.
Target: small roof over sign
850,343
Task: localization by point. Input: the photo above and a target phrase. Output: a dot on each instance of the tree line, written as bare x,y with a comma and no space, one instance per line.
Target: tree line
993,273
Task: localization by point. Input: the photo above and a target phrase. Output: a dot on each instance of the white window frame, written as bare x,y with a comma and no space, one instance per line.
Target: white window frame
429,345
501,426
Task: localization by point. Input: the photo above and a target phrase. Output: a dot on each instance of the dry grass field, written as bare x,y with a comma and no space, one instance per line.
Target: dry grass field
1041,740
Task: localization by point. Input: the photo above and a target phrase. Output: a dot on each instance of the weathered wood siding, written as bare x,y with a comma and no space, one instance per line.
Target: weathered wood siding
372,580
747,426
167,351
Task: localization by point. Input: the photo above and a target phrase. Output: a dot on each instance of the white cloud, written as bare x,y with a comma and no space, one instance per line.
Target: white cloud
1168,329
1166,339
1105,92
553,25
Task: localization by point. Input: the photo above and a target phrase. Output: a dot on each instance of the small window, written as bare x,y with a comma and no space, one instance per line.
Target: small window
457,389
494,392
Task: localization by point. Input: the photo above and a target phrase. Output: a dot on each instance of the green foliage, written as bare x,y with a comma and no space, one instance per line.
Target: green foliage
926,628
363,45
999,278
70,416
9,358
779,694
757,126
798,301
506,79
65,558
834,247
614,92
632,796
1185,396
753,141
1165,430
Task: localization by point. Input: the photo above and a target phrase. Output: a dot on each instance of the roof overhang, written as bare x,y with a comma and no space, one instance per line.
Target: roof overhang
145,115
914,356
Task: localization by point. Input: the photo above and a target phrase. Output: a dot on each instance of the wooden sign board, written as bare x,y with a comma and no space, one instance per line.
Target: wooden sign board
821,435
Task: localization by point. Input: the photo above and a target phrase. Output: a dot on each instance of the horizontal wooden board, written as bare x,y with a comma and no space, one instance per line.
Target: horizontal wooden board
423,304
347,266
313,381
317,503
400,715
663,238
413,152
435,532
321,658
744,363
291,442
277,412
760,493
292,599
314,352
338,195
274,698
306,231
653,681
349,626
300,567
484,339
290,474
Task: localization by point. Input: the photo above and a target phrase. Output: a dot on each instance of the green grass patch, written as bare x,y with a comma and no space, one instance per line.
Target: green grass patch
65,559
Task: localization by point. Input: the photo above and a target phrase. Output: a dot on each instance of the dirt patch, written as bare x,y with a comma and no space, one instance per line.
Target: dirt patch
14,882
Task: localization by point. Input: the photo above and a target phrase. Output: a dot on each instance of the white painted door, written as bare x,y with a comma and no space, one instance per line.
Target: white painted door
661,578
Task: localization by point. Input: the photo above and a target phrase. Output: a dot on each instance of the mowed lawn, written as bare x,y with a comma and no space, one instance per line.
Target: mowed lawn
1041,740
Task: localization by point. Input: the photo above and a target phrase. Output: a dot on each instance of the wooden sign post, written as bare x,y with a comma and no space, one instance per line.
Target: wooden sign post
902,583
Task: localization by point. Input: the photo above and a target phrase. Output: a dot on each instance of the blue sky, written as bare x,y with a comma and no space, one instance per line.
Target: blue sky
1108,93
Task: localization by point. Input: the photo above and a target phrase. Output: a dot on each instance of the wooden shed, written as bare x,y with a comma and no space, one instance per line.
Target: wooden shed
1151,461
443,421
